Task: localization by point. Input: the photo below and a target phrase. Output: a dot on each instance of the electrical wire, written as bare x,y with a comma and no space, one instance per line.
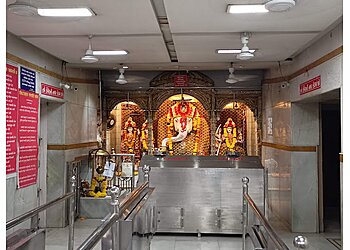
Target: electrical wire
280,69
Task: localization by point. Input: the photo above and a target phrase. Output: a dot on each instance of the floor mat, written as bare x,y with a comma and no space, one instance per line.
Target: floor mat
336,242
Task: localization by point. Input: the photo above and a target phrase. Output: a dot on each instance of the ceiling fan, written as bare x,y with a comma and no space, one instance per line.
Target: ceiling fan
245,53
89,56
132,78
232,78
121,79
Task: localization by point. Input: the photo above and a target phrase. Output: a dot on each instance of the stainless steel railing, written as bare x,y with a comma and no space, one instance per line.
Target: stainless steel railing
33,214
14,222
300,241
117,211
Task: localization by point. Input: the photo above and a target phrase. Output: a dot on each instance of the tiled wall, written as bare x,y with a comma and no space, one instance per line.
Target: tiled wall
73,122
70,121
293,175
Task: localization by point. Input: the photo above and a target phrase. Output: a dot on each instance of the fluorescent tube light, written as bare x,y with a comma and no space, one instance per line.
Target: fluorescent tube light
232,51
249,8
109,52
66,12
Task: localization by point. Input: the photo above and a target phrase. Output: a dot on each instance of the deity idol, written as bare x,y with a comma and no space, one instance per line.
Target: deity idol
182,118
230,135
98,187
130,135
144,136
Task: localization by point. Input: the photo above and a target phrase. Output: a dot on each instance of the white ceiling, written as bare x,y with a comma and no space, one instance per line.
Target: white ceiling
197,27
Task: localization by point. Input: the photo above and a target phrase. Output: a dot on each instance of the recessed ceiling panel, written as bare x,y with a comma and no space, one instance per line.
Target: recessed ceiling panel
211,16
112,17
270,46
142,49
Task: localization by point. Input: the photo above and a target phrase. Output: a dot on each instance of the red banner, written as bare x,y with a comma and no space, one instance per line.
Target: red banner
52,91
28,138
181,80
11,117
311,85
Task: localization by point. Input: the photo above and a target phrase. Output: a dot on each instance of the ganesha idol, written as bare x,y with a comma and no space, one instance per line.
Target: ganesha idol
182,118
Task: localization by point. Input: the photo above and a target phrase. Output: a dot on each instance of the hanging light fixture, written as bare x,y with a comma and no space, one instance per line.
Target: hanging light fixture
89,56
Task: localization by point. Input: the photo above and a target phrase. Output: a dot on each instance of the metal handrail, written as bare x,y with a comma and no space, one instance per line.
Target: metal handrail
274,237
35,211
99,232
125,203
247,200
96,235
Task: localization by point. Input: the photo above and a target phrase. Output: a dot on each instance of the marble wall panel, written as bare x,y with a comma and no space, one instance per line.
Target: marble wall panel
70,96
305,124
280,94
56,179
304,192
281,123
92,124
278,166
55,122
93,96
267,96
25,199
82,95
10,197
19,201
71,154
76,124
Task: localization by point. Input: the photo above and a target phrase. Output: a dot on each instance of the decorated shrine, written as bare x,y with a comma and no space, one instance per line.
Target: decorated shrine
195,119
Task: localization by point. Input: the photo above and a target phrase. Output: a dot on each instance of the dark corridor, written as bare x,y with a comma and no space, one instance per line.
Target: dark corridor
331,147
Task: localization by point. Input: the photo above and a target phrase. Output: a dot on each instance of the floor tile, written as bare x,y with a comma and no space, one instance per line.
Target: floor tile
57,238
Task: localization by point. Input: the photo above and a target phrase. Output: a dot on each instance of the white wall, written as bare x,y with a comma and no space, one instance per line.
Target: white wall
71,121
293,181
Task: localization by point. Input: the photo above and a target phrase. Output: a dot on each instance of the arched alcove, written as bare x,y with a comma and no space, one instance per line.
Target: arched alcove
120,114
246,128
185,147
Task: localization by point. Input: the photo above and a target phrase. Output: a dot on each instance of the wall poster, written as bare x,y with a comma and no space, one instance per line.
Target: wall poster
28,79
28,110
11,117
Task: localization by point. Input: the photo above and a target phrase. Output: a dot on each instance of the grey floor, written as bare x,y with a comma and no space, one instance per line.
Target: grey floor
56,239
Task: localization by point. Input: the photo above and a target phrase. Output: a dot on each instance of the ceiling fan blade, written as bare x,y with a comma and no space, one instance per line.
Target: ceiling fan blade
136,79
245,77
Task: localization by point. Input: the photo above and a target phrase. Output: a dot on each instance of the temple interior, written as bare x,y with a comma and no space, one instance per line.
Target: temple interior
175,125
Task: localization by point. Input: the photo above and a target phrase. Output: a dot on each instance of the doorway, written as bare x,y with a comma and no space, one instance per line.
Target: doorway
331,147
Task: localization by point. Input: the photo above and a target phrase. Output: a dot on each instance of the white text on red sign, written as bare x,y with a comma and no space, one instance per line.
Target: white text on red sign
311,85
52,91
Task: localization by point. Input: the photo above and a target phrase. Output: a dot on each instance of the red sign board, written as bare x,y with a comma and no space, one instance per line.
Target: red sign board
28,107
52,91
181,80
311,85
11,117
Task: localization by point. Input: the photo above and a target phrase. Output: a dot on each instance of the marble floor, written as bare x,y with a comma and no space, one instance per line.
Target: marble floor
57,238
